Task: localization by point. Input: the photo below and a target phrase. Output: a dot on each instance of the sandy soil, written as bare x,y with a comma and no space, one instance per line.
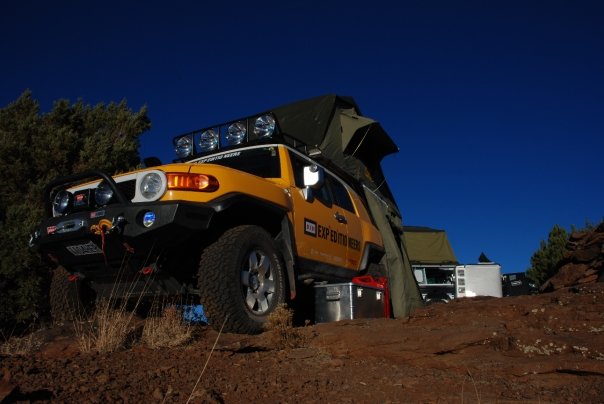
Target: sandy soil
543,348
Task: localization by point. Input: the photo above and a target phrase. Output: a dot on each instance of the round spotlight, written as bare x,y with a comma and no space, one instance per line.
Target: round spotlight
151,185
208,141
148,219
62,202
183,146
236,133
103,194
264,127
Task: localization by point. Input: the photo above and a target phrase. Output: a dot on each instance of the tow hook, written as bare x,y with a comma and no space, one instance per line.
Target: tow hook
117,224
151,269
75,277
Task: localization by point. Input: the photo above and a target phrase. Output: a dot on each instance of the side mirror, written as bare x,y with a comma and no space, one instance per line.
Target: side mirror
314,176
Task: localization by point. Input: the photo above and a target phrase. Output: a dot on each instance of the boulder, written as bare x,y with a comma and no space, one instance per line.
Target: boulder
582,261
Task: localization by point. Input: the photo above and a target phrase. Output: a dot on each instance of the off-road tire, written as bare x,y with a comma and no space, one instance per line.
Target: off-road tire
238,287
69,300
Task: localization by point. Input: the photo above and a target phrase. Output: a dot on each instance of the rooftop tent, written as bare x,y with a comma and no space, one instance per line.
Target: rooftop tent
356,145
334,124
312,122
428,246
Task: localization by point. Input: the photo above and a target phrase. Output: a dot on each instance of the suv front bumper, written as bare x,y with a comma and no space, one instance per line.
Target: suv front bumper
103,236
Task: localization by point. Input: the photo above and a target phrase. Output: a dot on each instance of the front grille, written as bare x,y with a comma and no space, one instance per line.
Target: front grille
128,188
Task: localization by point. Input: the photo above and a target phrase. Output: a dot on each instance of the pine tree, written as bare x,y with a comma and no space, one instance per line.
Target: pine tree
35,148
544,261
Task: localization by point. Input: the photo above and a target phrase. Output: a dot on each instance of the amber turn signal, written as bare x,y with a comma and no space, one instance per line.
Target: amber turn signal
191,182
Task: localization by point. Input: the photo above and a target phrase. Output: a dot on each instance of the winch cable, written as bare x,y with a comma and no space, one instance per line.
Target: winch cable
101,229
103,243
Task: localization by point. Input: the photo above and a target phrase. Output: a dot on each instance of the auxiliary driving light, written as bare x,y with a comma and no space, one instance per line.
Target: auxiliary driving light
183,146
236,133
208,141
264,126
103,194
148,219
63,202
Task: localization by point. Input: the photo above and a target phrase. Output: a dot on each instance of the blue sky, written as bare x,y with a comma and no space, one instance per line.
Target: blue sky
497,106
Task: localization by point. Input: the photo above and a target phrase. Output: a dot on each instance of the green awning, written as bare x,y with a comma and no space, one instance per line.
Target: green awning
428,246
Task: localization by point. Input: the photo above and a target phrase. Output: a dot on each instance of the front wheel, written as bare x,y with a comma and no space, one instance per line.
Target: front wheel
241,279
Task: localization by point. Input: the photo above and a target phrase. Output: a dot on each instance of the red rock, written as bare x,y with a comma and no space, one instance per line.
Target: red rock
588,279
587,254
577,235
568,275
6,389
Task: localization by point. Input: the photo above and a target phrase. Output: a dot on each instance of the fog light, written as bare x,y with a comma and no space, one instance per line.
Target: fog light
148,219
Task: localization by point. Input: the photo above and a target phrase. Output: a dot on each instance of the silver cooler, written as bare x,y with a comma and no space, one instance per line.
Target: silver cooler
347,301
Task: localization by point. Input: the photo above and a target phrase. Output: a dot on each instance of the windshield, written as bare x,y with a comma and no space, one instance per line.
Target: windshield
260,161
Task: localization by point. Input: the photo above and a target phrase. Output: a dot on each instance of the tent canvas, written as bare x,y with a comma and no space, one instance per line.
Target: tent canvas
334,124
356,145
428,246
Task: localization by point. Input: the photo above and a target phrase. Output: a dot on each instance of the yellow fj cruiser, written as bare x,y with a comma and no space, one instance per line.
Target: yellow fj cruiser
252,210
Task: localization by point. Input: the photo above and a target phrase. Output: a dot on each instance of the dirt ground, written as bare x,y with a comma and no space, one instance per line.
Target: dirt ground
542,348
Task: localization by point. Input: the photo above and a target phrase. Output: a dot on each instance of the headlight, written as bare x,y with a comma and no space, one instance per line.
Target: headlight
264,126
103,194
183,146
236,133
208,141
151,185
62,202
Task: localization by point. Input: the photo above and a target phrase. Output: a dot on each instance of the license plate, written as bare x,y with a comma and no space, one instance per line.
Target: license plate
88,248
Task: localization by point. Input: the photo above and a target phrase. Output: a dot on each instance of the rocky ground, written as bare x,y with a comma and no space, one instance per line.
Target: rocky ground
540,348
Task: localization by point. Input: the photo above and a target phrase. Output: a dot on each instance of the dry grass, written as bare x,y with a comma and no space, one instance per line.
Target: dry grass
20,345
283,333
473,383
167,330
194,392
112,327
107,330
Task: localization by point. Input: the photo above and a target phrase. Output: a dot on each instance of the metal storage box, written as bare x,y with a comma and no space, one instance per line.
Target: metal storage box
347,301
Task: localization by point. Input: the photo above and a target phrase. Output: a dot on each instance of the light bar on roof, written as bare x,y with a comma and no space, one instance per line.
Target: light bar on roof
235,133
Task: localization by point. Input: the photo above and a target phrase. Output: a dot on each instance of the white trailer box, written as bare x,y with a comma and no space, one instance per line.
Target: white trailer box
478,280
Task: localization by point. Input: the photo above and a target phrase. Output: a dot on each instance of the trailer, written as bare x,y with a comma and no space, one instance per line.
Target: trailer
440,276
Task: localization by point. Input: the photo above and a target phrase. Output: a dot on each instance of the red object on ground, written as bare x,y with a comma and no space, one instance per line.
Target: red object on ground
378,282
